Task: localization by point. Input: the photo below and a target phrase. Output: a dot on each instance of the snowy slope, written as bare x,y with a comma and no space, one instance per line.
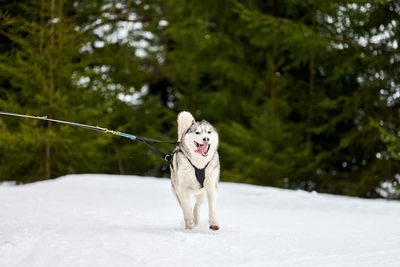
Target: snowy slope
110,220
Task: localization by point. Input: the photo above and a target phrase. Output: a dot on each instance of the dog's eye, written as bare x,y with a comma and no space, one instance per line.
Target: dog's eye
209,132
197,132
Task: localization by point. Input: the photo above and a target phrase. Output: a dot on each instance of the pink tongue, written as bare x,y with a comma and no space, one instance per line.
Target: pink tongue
201,149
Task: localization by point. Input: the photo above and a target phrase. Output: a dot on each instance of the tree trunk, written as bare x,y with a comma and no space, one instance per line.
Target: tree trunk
311,92
310,105
41,26
121,166
51,88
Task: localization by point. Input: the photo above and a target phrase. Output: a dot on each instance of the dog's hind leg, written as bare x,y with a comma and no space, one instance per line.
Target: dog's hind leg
199,200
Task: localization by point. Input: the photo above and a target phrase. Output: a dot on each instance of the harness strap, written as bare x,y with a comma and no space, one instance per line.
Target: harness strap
168,159
200,173
141,138
159,152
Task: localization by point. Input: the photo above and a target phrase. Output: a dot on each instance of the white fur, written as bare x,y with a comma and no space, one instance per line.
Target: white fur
183,178
185,119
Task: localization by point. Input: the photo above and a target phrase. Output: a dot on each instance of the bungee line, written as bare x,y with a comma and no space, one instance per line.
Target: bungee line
142,139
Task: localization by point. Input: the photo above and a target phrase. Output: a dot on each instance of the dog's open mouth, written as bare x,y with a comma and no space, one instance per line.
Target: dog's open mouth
202,148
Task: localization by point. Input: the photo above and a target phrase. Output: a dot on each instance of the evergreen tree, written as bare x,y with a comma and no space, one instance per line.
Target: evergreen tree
38,67
291,86
304,94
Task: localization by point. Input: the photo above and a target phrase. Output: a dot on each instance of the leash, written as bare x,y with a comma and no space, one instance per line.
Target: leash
144,140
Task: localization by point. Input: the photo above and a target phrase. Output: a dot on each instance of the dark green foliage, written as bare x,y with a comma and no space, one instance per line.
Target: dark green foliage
304,94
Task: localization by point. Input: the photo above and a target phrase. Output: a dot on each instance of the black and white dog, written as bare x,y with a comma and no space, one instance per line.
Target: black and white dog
195,168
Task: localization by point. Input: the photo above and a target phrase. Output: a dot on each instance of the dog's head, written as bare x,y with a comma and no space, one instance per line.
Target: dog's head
201,138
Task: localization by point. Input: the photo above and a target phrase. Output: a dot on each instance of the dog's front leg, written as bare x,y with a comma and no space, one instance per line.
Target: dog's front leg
184,200
212,203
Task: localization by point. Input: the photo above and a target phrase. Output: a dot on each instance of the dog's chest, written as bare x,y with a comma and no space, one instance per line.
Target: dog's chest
189,174
192,174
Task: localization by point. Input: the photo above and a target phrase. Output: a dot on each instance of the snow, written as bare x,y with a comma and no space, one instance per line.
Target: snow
111,220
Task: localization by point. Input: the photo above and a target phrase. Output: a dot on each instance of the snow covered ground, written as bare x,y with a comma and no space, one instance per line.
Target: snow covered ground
111,220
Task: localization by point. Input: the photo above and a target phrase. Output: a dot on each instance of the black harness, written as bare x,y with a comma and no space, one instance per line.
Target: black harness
200,173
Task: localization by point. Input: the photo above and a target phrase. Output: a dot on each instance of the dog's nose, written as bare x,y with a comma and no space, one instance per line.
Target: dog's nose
206,139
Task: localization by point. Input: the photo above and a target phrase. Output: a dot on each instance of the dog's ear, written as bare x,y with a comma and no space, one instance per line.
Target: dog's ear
185,120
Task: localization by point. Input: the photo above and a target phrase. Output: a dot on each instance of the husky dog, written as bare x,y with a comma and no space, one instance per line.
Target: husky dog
195,168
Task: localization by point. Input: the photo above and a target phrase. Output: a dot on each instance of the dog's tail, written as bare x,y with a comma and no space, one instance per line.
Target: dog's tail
185,119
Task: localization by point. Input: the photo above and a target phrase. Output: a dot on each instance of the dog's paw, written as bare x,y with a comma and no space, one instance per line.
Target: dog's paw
214,227
189,224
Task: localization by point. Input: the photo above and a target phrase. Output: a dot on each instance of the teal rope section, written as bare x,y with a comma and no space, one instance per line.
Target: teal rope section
130,136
